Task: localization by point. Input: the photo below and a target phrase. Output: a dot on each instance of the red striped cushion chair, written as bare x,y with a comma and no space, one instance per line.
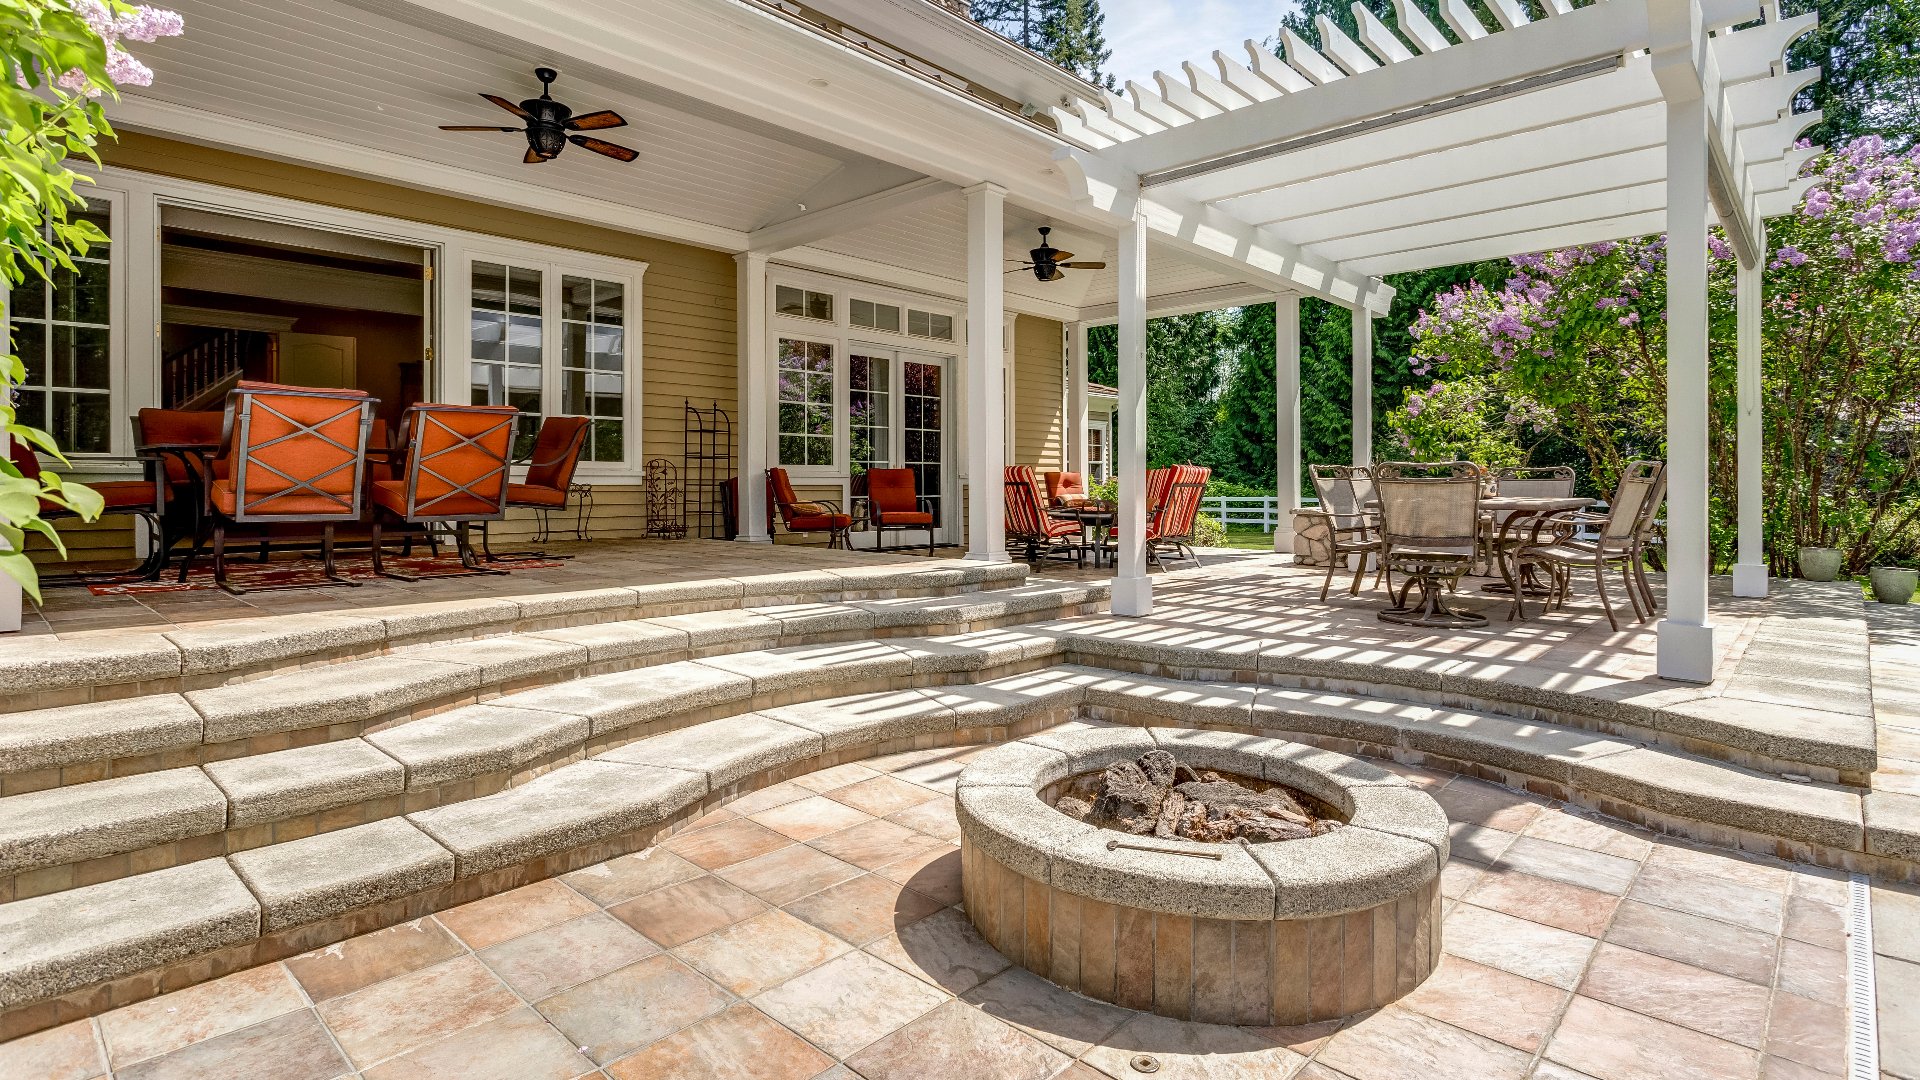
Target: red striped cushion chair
1173,500
1028,523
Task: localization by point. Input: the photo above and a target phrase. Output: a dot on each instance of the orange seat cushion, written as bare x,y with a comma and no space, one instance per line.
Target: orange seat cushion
810,522
535,495
391,495
891,518
303,503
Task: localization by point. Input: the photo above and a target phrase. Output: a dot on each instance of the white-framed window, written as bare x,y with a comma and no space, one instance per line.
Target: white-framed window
1097,452
869,410
929,324
65,333
806,403
798,303
551,338
873,315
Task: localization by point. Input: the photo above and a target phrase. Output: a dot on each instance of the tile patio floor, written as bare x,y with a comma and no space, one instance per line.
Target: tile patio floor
810,930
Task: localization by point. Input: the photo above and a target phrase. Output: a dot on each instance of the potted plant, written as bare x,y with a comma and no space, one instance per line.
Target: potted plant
1820,563
1893,584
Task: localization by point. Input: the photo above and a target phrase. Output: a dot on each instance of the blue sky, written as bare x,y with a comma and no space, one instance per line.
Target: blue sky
1158,34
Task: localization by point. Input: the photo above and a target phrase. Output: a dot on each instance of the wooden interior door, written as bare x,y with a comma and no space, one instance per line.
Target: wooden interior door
324,360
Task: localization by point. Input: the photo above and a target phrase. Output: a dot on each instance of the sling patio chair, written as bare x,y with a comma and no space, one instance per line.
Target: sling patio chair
453,471
806,516
288,455
895,504
145,499
1523,481
1029,523
1353,530
548,482
1429,528
1618,545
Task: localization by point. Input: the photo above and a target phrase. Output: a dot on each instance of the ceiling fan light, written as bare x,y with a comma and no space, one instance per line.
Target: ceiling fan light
546,141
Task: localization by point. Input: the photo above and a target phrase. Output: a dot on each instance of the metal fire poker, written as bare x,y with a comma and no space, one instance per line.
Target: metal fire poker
1214,855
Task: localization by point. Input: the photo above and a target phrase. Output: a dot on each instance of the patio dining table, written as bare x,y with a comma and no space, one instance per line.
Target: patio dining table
1096,524
1518,513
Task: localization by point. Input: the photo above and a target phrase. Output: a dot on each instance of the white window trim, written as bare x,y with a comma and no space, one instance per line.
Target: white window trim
1097,469
137,291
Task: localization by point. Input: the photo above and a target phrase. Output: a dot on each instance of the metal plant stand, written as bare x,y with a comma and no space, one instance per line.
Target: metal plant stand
706,462
665,501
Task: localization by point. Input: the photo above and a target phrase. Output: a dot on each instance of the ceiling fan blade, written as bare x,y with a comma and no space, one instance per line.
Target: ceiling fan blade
474,127
1056,275
596,121
612,150
1059,257
509,106
1083,265
533,157
1021,269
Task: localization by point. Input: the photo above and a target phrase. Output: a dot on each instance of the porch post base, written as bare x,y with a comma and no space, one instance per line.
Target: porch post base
745,539
1750,579
1132,596
1283,540
1685,651
986,556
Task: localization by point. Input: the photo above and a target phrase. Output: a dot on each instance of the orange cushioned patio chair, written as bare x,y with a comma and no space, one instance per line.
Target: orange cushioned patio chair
454,472
288,455
1065,488
797,516
549,479
1028,522
894,503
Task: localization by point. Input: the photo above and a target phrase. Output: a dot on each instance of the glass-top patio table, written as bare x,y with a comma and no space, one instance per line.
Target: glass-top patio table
1521,517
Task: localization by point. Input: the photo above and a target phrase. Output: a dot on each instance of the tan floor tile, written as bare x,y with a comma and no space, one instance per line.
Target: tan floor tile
1396,1044
1611,1043
519,1045
1816,922
1810,1032
838,776
884,795
788,874
711,818
1063,1020
1457,877
767,797
863,909
1569,907
507,915
1813,972
957,1040
1779,1068
934,817
1192,1051
761,952
738,1044
876,843
631,875
724,845
1591,834
1719,1005
1487,1001
393,1017
68,1052
1715,898
624,1010
1300,1038
944,949
347,966
1569,865
679,913
934,873
1723,865
848,1002
292,1046
547,961
1487,804
1694,939
1477,843
810,817
158,1025
1529,949
1551,1070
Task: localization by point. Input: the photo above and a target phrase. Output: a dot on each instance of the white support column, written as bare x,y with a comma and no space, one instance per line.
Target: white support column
1132,589
1685,651
986,364
1077,400
1362,387
1286,415
1750,565
754,387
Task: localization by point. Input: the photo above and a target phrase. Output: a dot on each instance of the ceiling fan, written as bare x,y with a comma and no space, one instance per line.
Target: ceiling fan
551,125
1046,261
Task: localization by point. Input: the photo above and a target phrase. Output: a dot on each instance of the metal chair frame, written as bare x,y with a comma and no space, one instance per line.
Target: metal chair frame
1361,537
418,513
1426,556
572,450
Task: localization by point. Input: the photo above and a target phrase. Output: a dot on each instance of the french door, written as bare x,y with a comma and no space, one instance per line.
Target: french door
897,418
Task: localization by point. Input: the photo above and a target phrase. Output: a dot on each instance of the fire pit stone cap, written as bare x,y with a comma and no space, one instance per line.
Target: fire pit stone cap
1018,830
1235,886
1350,869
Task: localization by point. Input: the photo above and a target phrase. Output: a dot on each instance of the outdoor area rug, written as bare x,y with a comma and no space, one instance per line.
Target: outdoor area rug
306,570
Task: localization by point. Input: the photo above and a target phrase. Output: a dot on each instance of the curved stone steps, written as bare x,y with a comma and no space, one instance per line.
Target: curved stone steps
39,671
305,892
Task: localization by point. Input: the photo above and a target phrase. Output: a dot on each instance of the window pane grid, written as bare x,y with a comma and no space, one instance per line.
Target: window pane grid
506,335
593,361
63,335
806,403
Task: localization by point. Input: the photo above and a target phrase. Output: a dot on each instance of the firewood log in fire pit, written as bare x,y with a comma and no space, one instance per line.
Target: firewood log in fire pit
1154,795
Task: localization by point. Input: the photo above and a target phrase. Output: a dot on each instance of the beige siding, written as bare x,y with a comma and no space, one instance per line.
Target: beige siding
1038,415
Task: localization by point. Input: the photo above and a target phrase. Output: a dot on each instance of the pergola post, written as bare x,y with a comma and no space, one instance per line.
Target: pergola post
1362,386
1750,562
986,364
754,391
1685,650
1286,415
1077,400
1132,589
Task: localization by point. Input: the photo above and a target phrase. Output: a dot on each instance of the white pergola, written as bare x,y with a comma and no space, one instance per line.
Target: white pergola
1405,150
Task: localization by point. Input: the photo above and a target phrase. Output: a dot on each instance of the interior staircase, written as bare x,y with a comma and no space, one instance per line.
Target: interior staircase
198,377
319,776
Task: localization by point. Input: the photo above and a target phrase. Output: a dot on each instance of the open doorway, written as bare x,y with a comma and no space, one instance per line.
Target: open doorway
246,298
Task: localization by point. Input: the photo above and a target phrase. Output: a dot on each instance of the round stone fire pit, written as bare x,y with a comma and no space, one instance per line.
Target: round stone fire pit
1282,932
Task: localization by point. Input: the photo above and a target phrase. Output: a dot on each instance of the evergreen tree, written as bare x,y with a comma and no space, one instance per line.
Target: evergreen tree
1869,57
1185,358
1019,21
1074,32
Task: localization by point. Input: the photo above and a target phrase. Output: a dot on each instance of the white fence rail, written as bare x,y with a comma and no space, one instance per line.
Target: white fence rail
1261,510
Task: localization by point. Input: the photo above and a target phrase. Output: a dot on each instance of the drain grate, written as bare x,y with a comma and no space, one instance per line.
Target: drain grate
1863,1049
